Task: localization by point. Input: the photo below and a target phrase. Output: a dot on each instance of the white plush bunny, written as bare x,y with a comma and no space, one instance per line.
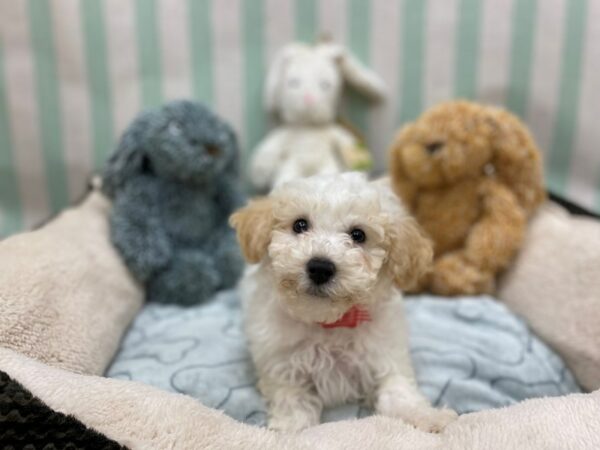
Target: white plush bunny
303,89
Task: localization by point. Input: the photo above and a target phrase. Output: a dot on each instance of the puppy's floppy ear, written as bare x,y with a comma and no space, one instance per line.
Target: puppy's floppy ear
254,225
410,254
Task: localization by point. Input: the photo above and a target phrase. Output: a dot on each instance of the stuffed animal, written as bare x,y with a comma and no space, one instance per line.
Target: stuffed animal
472,175
303,89
174,181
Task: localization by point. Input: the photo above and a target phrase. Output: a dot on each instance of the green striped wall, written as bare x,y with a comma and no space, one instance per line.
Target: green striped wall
10,214
568,97
411,38
200,27
227,61
94,37
46,86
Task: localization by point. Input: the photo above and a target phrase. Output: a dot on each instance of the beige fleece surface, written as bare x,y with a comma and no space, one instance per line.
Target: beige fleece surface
142,417
65,296
555,285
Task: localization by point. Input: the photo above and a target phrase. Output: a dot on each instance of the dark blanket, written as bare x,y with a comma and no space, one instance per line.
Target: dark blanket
26,422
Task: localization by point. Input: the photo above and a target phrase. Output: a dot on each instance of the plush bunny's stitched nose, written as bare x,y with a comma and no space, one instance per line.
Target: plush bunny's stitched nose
308,99
320,270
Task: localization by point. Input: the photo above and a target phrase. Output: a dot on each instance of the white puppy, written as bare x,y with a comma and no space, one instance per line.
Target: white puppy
323,312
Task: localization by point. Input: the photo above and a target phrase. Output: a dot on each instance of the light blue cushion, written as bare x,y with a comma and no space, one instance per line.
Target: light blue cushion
469,354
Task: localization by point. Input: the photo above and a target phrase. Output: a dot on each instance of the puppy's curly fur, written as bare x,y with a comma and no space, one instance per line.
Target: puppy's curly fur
301,365
174,182
472,175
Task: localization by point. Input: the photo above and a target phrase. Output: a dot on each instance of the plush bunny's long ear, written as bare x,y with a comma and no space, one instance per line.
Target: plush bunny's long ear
276,73
517,160
127,159
355,73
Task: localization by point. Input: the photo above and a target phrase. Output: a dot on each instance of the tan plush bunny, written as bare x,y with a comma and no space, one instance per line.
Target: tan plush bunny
303,90
472,175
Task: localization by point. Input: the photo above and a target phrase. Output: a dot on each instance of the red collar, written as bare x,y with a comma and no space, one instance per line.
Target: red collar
351,318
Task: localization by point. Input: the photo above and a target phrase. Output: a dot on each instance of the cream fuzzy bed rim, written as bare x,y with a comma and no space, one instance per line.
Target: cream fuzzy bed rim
139,416
65,303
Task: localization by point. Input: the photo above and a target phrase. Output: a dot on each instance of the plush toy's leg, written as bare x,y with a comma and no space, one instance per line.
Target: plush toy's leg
398,396
190,278
453,274
291,408
490,247
228,259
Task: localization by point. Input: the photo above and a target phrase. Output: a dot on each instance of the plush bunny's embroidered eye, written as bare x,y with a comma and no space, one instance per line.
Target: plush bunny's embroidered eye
300,226
434,147
325,85
358,235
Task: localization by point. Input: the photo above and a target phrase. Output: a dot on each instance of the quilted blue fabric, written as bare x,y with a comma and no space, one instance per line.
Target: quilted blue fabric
469,354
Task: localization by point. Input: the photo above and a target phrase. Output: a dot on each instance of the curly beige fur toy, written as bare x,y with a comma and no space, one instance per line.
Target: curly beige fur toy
472,175
303,89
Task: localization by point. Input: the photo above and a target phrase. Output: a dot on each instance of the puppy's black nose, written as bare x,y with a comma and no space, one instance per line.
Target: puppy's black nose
320,270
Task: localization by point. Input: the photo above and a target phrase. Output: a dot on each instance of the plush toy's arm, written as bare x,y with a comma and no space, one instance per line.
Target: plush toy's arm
229,195
342,138
347,148
223,245
496,237
227,257
137,231
266,158
491,245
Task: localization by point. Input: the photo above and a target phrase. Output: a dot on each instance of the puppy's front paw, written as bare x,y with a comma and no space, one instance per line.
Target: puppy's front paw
421,416
291,423
430,419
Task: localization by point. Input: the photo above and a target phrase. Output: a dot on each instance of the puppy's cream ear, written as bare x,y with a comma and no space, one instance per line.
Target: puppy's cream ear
410,253
253,225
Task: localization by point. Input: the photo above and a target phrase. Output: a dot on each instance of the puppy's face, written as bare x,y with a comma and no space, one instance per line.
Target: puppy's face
332,242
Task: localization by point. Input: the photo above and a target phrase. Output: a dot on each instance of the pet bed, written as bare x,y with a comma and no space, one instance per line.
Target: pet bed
39,296
469,354
143,417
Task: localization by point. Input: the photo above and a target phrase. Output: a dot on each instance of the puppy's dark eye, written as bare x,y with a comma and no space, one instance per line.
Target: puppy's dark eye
434,147
300,226
358,235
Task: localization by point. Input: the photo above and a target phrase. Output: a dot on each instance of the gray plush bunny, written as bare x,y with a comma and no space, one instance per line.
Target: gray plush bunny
174,181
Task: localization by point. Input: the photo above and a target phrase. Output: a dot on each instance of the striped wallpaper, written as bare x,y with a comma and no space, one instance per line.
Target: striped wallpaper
73,73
